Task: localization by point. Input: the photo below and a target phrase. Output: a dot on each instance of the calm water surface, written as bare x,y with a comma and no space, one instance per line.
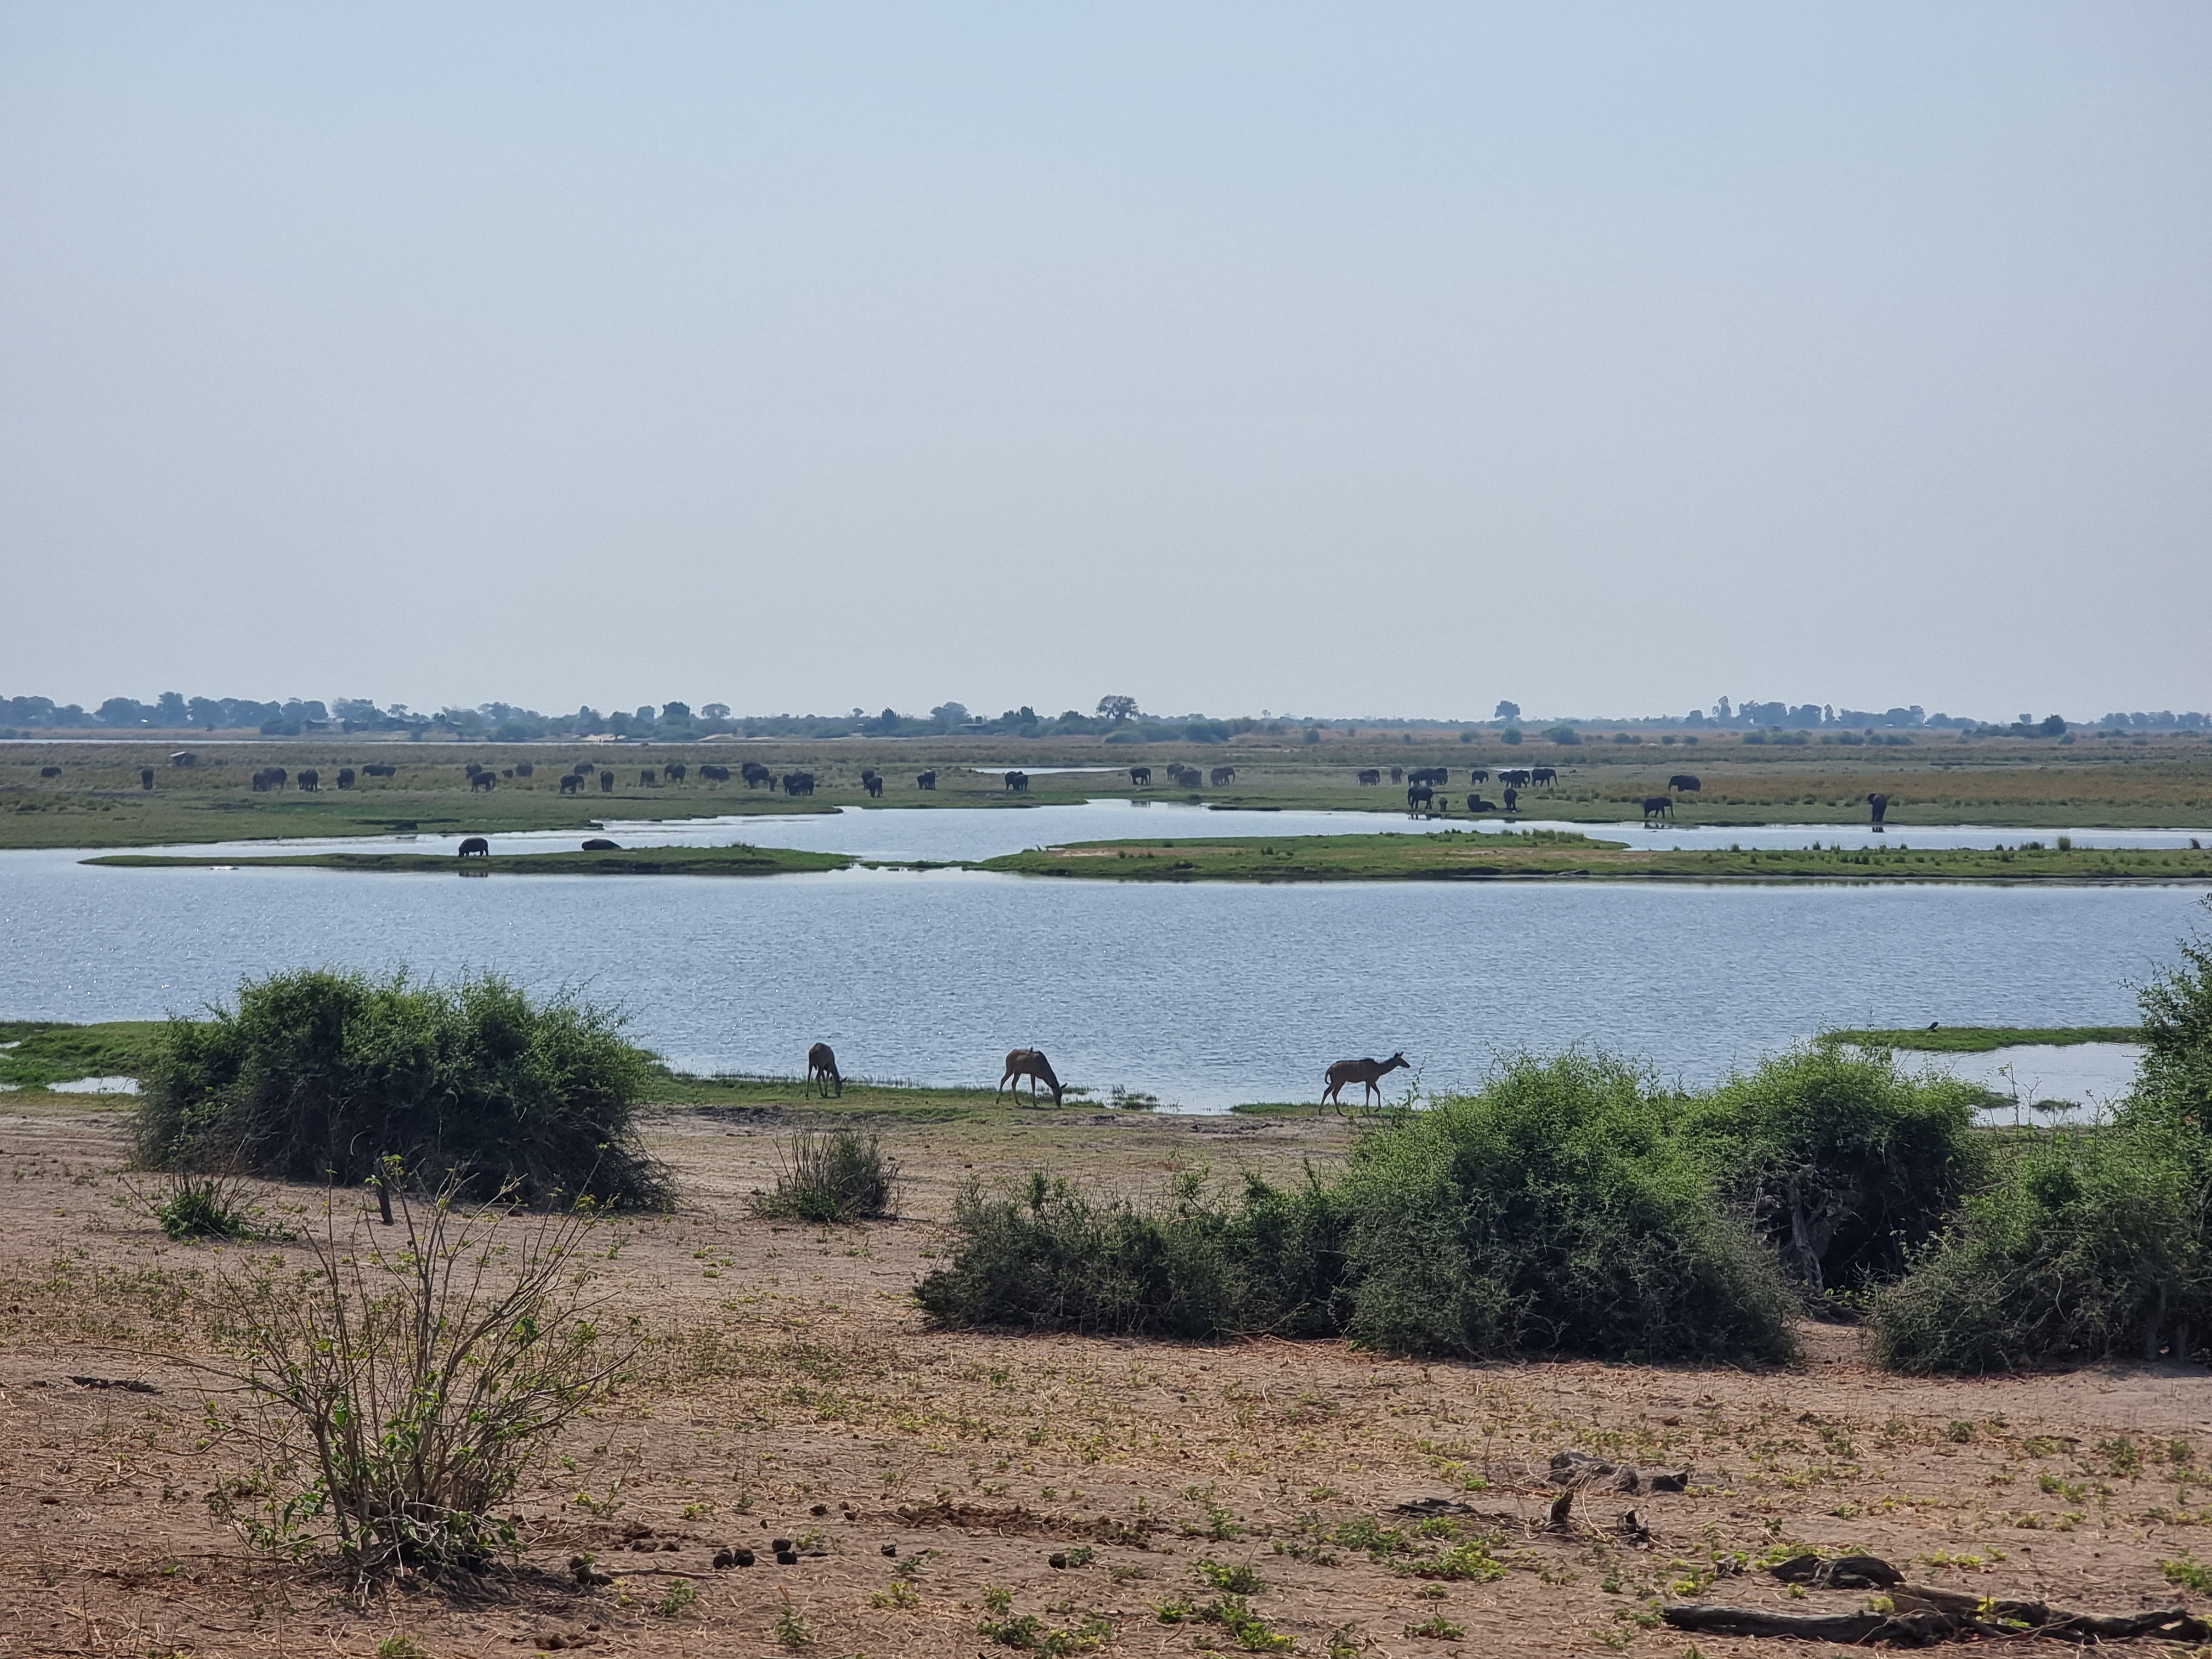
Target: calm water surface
1204,994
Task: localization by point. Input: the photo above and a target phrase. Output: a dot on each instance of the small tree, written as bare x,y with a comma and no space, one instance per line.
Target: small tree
1117,710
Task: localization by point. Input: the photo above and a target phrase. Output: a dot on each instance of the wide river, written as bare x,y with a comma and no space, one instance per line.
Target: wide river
1204,995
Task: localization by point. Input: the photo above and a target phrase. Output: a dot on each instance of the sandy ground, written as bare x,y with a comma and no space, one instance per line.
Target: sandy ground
793,1389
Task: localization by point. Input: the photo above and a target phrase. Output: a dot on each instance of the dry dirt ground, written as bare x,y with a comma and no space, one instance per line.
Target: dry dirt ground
793,1391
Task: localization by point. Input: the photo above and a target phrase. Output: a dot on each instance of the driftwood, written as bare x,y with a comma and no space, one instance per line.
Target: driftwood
1842,1572
1575,1468
1923,1614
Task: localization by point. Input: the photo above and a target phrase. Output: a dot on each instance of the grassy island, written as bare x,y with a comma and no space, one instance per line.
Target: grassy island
1451,855
632,861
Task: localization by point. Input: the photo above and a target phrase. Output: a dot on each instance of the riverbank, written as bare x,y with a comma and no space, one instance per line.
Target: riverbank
789,1370
1450,856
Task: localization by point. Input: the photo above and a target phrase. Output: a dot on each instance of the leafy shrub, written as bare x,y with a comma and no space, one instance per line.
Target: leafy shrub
841,1176
323,1076
1844,1161
1554,1211
202,1206
2176,1076
2089,1244
1054,1258
397,1392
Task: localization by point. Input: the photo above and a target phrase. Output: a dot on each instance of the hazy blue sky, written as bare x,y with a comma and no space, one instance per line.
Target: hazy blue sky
1354,359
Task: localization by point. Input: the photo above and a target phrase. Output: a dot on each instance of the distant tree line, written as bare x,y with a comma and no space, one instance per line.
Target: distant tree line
1117,719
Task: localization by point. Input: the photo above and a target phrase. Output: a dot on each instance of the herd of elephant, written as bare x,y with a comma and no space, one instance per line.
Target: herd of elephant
1425,785
822,1072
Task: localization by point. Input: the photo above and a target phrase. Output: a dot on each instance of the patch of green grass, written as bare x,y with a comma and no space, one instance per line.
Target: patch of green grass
1454,855
1980,1039
46,1053
739,860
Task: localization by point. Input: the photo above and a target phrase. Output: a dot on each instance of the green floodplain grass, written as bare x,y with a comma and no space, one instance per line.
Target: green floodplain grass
97,801
1981,1039
640,861
1448,856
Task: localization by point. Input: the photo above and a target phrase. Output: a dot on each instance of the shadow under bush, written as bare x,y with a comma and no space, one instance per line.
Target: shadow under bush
1844,1161
322,1076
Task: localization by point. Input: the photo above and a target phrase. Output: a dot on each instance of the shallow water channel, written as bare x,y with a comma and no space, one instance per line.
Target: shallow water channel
1203,995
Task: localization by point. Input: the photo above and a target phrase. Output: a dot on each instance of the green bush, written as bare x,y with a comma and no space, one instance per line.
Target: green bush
839,1177
2090,1244
1554,1210
1192,1266
2176,1077
320,1076
1844,1161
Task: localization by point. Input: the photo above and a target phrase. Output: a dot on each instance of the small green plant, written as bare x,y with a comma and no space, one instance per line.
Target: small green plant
1342,1643
2123,1454
1082,1557
682,1595
898,1594
998,1599
1438,1628
202,1206
842,1175
400,1647
1958,1432
792,1630
1469,1561
2189,1573
1237,1577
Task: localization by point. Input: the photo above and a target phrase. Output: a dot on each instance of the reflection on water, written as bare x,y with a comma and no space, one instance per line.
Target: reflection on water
1204,995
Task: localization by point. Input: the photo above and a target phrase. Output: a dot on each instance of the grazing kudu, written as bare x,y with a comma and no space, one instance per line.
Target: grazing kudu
476,846
1369,1073
1658,807
822,1064
1029,1063
925,780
